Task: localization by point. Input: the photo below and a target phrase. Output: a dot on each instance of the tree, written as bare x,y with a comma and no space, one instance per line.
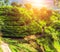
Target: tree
16,4
6,2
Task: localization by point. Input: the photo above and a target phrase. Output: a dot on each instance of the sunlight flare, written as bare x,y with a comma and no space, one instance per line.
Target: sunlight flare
38,3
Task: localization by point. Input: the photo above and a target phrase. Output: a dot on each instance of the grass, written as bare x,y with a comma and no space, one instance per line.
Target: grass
17,46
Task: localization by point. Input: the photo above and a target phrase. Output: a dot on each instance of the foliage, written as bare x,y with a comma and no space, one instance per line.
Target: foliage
22,22
17,46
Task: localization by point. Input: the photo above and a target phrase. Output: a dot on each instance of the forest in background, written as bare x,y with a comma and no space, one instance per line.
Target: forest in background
30,29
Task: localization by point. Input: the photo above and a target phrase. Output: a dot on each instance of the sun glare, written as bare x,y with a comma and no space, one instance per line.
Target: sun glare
38,3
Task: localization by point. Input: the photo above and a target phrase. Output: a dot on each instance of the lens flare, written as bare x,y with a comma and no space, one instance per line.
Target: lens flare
41,3
38,3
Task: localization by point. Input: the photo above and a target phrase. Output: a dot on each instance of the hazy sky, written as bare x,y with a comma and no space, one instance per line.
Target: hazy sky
48,3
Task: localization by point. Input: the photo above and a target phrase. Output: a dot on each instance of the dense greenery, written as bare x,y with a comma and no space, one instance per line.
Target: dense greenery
20,22
40,29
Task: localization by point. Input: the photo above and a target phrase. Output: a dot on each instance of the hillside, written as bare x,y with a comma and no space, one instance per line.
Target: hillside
26,30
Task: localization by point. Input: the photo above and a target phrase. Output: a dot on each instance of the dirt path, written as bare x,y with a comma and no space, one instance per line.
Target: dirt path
5,47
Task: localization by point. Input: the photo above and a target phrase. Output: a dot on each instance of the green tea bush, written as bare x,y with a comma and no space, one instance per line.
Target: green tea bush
18,22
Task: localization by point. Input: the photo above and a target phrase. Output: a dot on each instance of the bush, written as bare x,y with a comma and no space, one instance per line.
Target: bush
18,22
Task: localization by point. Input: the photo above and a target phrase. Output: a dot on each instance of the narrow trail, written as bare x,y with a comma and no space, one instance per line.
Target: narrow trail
5,47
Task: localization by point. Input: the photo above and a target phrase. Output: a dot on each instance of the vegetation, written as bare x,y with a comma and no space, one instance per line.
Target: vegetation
38,30
1,49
